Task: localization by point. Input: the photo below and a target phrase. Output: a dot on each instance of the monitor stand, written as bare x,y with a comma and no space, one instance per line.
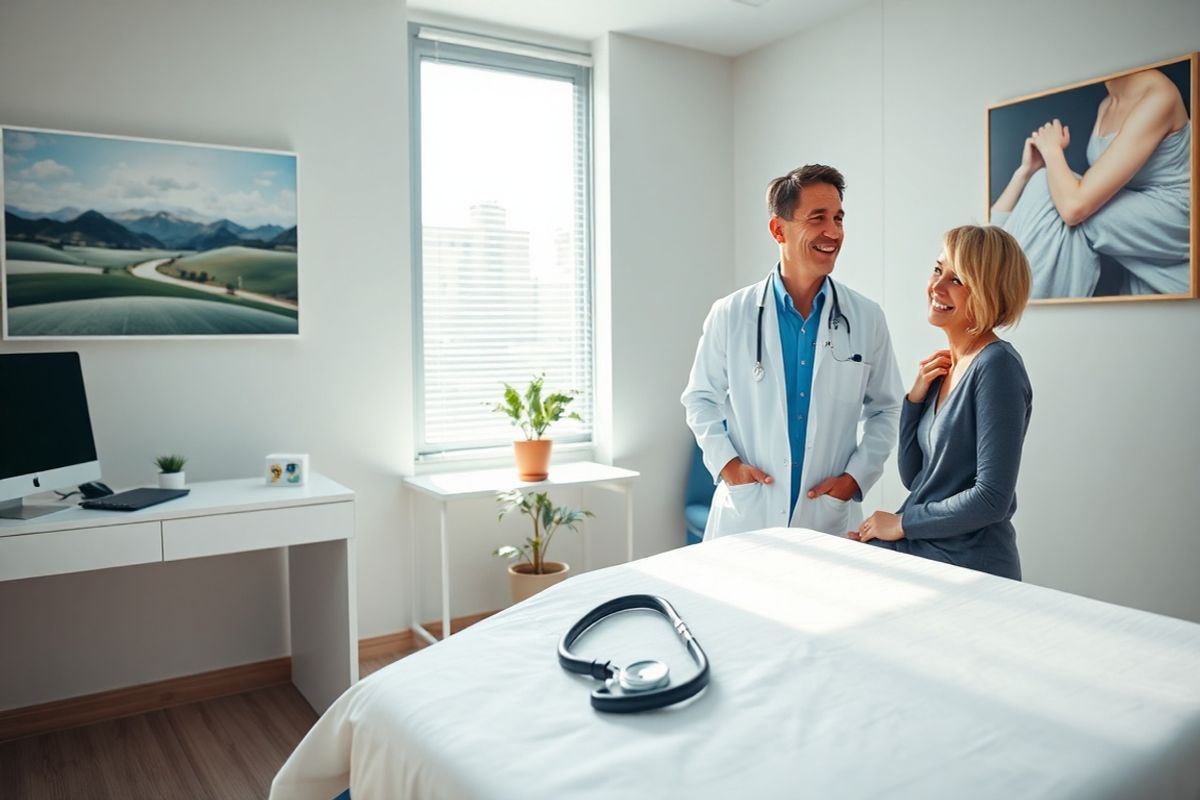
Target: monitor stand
17,509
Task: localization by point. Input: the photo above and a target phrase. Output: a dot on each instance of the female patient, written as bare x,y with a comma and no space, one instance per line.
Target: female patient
964,421
1132,205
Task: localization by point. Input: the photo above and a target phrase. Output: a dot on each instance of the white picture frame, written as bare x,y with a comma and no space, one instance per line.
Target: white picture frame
116,237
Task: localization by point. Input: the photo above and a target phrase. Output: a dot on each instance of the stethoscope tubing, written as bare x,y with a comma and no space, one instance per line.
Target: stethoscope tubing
835,314
605,670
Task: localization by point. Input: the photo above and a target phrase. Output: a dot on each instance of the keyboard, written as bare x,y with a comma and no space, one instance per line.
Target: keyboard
133,499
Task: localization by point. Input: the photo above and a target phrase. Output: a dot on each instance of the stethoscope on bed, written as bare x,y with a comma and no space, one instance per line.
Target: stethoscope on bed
836,317
643,685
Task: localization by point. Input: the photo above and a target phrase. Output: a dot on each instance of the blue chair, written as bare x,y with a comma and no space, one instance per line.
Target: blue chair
697,497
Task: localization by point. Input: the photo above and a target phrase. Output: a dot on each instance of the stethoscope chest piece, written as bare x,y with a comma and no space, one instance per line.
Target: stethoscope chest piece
759,371
643,685
642,676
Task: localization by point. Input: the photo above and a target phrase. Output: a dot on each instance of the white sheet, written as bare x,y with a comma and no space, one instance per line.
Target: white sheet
838,670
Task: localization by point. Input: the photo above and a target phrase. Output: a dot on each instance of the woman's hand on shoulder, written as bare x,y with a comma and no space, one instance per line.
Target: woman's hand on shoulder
930,369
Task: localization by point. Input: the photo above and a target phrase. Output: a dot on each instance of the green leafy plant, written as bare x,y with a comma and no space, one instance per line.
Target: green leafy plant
172,463
532,413
546,518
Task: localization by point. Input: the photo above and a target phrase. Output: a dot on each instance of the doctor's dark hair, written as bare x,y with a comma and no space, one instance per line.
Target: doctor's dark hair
783,193
994,268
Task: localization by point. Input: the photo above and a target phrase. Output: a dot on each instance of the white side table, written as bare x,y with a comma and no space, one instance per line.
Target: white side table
446,486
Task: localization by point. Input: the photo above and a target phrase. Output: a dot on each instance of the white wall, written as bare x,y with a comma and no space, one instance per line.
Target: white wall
307,76
331,84
1107,493
670,202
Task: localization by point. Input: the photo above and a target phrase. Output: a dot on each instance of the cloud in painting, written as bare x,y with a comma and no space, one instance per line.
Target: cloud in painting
116,175
46,169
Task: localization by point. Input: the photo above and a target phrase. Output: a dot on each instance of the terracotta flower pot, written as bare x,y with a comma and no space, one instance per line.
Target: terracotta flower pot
524,583
533,459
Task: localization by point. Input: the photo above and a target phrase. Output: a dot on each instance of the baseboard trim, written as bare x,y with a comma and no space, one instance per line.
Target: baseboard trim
390,644
456,625
386,645
88,709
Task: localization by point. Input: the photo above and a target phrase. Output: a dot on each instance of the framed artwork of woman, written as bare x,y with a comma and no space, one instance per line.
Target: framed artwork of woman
1097,182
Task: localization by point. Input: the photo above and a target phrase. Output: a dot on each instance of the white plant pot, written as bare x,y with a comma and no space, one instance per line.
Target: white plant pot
170,480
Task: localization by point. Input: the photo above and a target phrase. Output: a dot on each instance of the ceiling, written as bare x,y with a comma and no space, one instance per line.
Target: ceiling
724,27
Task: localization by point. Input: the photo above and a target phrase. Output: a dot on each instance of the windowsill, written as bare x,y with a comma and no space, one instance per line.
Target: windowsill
496,457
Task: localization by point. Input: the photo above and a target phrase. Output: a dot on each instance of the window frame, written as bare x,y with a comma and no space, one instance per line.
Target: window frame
580,75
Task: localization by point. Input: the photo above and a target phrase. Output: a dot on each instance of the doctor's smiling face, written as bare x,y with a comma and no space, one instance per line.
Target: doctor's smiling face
810,241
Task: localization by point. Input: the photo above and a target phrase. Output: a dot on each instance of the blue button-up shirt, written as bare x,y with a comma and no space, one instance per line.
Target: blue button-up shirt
798,338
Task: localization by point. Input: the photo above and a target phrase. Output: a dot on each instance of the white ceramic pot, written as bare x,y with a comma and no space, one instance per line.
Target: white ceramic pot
526,584
170,480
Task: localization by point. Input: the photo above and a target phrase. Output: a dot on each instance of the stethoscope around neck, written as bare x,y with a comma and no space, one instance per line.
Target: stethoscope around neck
836,317
643,685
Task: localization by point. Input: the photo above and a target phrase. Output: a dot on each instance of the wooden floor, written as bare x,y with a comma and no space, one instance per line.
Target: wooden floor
224,749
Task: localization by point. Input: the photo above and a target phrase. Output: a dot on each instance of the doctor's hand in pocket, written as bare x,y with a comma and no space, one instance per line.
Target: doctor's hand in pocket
880,525
737,473
840,487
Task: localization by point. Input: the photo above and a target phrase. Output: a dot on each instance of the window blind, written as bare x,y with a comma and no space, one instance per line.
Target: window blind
503,241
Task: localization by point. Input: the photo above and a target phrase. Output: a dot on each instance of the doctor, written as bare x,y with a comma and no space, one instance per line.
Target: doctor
784,371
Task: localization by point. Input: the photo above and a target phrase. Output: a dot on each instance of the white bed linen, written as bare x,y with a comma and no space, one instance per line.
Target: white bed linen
838,670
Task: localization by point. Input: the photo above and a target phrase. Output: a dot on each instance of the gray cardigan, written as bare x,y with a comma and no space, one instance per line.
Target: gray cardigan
960,465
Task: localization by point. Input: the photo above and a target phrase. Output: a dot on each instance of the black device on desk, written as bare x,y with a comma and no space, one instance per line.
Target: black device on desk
133,499
93,489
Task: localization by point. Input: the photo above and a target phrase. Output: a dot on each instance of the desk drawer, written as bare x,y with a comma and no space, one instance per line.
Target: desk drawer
256,530
36,554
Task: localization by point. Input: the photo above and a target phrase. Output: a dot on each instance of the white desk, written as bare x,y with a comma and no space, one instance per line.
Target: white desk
314,522
446,486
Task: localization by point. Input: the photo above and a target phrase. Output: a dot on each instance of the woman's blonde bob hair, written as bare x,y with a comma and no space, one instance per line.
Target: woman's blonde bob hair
993,267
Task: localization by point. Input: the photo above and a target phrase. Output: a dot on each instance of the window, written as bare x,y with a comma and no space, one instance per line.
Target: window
502,238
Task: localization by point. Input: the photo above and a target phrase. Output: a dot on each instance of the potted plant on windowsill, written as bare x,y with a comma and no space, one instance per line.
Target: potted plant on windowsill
533,414
170,471
534,573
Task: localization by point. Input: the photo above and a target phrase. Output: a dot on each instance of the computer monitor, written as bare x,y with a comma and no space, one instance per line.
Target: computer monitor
45,432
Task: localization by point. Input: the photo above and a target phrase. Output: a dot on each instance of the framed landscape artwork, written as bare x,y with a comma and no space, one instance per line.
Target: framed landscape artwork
1097,181
115,237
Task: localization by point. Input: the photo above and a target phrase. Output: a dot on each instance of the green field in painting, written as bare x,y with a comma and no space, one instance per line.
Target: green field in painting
144,316
82,256
36,289
119,259
263,271
28,251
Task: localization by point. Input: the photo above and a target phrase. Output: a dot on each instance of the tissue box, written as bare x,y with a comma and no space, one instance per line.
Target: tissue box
287,469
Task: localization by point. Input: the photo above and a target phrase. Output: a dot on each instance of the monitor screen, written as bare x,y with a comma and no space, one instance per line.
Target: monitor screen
43,415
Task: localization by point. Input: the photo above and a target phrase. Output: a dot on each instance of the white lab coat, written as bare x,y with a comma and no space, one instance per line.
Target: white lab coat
733,415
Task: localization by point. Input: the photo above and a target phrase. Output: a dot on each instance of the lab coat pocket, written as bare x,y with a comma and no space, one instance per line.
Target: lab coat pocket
736,509
832,515
850,383
743,495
